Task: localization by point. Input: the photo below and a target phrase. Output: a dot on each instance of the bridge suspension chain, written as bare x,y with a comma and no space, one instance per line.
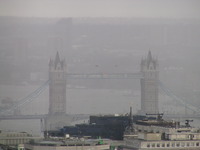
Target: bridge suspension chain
28,98
166,91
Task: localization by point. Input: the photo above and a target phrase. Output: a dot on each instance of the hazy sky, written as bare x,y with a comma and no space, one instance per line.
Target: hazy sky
101,8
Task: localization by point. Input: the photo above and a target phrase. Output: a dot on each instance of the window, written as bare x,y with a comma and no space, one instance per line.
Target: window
158,145
153,145
168,144
197,144
148,145
163,145
177,144
182,144
173,144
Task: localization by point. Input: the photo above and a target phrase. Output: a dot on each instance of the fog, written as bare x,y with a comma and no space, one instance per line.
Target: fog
101,8
98,36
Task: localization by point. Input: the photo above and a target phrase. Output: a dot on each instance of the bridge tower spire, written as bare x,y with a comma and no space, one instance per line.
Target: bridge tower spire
149,84
57,86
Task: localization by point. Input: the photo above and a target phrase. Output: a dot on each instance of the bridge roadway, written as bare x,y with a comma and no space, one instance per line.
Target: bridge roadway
74,117
137,75
20,117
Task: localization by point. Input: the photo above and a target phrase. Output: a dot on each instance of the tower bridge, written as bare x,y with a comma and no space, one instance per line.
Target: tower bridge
57,117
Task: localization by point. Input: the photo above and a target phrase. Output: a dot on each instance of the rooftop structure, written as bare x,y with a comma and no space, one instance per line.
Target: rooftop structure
68,144
161,134
15,138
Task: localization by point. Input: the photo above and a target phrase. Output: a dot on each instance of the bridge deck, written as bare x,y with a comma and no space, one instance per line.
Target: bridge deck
18,117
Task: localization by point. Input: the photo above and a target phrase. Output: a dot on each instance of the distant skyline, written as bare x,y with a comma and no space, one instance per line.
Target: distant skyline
101,8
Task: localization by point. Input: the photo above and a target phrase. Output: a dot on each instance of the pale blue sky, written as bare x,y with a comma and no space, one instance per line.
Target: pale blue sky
101,8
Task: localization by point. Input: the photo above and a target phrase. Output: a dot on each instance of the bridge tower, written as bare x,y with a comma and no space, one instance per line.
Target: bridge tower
57,116
149,84
57,86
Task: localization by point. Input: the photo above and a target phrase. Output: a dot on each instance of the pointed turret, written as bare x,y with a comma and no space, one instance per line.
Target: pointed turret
57,59
149,57
50,62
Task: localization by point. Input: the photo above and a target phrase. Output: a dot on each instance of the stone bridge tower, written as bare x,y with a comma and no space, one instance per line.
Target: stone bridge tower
149,85
57,116
57,86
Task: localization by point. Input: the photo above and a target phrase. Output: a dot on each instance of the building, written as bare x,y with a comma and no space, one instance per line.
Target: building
105,126
57,86
160,134
149,85
15,138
